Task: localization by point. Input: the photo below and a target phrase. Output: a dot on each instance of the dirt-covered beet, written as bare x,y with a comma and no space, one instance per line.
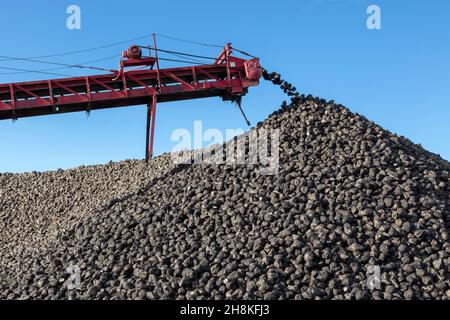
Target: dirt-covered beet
348,196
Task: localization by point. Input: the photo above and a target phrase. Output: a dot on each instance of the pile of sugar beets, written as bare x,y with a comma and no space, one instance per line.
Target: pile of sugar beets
354,212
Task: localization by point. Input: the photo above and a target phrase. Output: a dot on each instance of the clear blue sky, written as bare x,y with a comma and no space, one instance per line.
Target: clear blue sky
398,76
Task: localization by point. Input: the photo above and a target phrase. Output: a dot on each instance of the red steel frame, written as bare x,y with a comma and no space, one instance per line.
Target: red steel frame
226,78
